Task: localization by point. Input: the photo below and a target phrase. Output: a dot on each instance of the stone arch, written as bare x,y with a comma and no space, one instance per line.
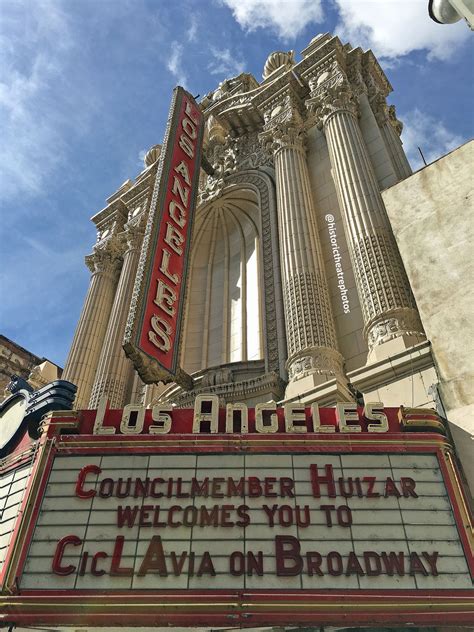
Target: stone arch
244,213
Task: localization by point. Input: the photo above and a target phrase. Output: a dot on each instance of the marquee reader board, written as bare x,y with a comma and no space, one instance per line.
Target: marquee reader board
254,528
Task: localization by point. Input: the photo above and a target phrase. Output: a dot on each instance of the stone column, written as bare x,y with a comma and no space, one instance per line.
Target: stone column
83,357
313,356
391,129
152,392
388,306
114,376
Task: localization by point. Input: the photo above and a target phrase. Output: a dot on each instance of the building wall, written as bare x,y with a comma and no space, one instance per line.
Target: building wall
15,360
291,211
431,216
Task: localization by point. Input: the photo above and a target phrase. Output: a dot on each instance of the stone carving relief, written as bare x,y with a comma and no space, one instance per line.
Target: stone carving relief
399,322
106,256
134,231
394,122
216,377
386,287
331,93
264,385
277,60
355,78
235,154
319,360
284,127
309,316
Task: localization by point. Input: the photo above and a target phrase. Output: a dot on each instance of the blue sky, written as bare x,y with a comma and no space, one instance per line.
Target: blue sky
85,88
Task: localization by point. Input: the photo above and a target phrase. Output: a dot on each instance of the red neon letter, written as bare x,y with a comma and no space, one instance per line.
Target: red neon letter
90,493
58,555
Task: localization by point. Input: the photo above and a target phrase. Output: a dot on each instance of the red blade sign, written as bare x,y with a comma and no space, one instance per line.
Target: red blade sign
152,334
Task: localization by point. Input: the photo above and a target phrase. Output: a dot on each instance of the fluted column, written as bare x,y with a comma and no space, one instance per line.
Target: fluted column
151,393
391,128
310,330
114,374
104,264
388,306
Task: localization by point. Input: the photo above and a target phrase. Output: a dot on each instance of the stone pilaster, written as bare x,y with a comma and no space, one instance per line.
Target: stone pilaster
104,264
391,129
388,306
114,376
313,356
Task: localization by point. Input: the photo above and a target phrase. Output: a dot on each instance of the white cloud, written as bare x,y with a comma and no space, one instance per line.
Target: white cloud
225,63
175,64
431,135
38,95
31,144
141,157
393,28
191,33
287,17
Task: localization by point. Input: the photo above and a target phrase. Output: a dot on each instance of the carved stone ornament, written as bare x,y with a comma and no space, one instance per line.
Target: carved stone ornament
152,155
332,95
320,360
277,60
379,107
223,161
230,157
395,323
284,128
107,256
134,231
394,122
230,391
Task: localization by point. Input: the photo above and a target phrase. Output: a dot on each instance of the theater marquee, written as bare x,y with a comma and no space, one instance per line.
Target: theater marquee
207,517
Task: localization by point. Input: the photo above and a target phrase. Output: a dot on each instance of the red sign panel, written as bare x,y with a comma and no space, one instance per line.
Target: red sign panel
153,329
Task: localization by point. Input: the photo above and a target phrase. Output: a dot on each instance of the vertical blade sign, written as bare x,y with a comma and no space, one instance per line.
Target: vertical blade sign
152,334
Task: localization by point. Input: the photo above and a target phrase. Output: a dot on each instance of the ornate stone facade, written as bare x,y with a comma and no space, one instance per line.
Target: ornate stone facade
263,317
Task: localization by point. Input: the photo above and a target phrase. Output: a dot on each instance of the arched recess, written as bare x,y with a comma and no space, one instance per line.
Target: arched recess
234,307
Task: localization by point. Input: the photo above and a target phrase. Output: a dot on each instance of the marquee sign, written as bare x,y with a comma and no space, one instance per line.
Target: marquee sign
153,329
203,516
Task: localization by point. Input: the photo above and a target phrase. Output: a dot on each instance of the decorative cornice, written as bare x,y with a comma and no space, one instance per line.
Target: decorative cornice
228,391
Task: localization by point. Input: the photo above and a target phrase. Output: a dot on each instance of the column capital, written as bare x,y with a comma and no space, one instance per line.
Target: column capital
331,93
134,231
106,256
284,127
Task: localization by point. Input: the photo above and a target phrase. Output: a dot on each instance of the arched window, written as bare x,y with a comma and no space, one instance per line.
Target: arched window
224,312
